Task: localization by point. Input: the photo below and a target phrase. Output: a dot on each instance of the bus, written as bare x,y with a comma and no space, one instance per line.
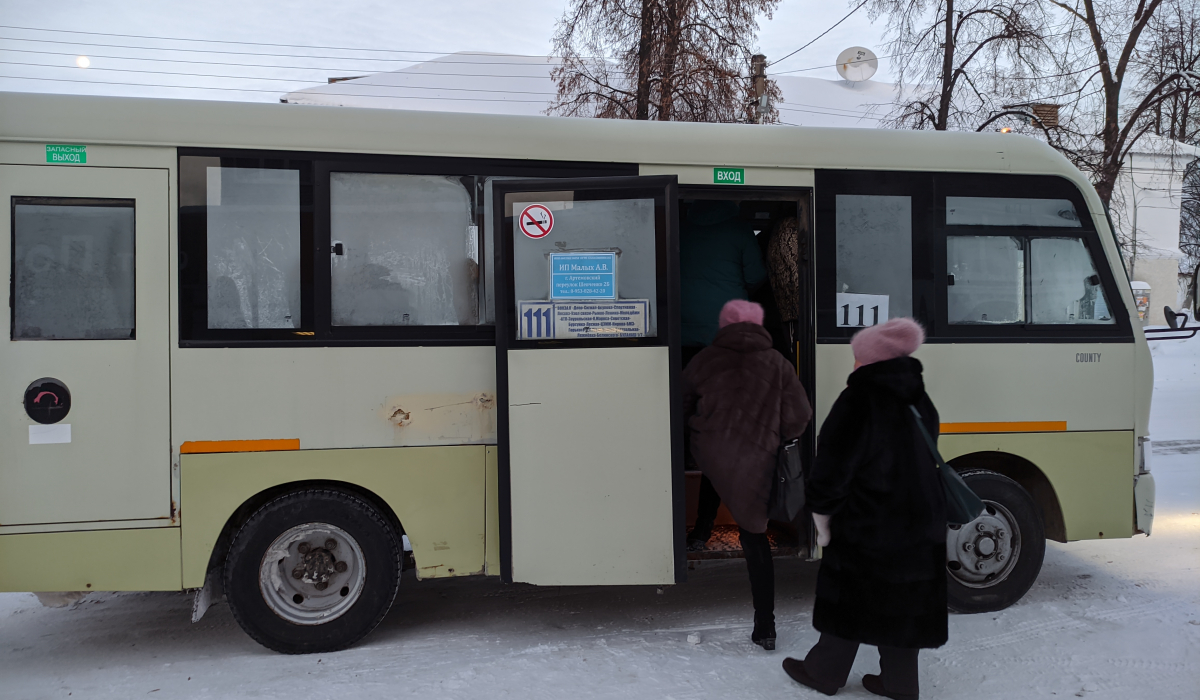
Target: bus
278,354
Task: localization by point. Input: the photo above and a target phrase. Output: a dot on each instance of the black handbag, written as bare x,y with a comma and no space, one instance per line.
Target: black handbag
962,505
787,493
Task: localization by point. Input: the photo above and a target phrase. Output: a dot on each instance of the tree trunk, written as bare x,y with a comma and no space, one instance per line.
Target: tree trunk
642,110
666,88
943,113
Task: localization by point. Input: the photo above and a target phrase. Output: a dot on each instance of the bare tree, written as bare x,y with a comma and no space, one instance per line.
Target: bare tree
958,63
1116,103
670,60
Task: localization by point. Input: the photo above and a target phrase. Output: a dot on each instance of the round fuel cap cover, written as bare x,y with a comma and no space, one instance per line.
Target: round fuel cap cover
47,400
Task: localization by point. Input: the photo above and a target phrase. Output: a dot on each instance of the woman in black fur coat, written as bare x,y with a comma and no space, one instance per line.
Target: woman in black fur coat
880,512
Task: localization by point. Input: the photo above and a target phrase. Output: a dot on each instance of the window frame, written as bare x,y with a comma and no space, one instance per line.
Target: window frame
316,329
928,191
918,186
1031,187
26,200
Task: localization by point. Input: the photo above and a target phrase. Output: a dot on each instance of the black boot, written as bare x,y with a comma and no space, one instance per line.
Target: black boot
796,671
875,685
764,631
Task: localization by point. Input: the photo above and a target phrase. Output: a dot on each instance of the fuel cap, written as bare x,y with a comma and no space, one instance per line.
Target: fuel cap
47,400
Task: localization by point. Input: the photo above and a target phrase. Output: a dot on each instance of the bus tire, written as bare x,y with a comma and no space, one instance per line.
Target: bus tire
312,571
992,562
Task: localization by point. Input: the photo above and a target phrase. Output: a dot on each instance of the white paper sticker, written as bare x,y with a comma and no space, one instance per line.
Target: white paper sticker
623,318
49,434
861,310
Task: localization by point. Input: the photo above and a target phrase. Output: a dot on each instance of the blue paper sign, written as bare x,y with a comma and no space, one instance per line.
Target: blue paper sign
583,275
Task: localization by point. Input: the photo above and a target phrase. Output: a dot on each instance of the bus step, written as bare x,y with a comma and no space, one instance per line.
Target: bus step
725,544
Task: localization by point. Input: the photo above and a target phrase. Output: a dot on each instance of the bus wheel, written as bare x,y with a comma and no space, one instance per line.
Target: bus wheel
992,562
312,571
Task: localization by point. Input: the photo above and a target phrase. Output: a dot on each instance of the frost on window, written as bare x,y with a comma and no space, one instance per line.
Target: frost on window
986,282
874,248
253,248
410,254
1064,286
73,272
1011,211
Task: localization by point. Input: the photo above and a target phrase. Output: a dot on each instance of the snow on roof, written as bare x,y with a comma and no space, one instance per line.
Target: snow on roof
494,83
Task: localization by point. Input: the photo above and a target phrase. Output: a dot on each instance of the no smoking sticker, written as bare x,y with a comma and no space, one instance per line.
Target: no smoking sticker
536,221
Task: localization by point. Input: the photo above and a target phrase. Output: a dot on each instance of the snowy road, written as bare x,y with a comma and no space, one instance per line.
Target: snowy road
1106,619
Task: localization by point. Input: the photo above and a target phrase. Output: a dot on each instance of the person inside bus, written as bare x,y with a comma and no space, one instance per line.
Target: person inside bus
880,512
719,260
742,400
783,264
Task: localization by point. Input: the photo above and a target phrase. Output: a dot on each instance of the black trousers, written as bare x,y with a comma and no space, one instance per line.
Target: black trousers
755,546
830,659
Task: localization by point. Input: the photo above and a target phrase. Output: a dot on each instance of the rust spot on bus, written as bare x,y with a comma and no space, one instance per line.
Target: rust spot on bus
442,418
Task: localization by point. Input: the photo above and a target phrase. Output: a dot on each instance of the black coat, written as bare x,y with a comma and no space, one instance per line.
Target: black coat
883,576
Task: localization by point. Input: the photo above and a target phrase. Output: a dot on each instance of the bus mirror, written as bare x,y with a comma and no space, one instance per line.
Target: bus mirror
1173,317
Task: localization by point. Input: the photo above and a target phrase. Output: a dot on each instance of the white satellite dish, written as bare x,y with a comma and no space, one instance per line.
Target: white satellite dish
857,64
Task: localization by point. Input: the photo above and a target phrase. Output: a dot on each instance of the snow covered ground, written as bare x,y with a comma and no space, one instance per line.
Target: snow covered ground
1106,619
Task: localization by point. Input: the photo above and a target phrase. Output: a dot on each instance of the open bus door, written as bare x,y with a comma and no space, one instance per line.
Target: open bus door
587,342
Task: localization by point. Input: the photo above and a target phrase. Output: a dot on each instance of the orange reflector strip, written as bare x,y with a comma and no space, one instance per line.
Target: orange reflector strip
210,446
1036,426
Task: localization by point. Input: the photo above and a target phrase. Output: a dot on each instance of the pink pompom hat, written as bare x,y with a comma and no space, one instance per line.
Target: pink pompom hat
895,338
740,311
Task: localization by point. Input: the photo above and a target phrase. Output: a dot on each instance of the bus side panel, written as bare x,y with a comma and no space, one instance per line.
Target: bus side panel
101,560
437,493
335,397
1089,472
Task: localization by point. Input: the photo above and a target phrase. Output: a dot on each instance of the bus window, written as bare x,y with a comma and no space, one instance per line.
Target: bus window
1011,211
1064,286
408,255
253,248
874,258
986,281
73,269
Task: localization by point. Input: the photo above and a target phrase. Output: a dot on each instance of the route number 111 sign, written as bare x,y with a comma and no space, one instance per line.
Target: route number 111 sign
861,310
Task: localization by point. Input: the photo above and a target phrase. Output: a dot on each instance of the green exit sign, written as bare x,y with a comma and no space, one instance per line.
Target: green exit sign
729,176
62,153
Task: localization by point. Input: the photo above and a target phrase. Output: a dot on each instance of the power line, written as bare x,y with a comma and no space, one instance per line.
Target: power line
232,42
273,92
835,24
232,53
270,65
281,80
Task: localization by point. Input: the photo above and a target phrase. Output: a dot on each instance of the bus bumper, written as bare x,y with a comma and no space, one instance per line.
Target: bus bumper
1143,502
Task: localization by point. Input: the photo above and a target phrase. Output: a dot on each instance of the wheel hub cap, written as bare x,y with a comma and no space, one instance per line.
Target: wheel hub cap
983,552
312,574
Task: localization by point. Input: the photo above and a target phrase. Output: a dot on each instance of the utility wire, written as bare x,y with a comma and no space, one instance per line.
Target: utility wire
280,80
232,53
835,24
244,43
268,65
273,92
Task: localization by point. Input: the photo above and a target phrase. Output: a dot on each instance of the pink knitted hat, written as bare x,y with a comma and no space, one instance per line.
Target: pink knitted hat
891,339
740,311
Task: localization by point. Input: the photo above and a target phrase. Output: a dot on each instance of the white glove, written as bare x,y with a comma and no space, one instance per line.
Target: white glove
823,531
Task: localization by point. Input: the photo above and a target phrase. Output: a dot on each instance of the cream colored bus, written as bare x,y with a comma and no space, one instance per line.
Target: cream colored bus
280,353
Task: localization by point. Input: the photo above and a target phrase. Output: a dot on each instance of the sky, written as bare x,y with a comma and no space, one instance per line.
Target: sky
39,45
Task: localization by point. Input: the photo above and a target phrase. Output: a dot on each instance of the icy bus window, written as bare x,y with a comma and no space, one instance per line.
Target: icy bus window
874,258
1064,287
986,281
253,248
614,239
1011,211
409,250
73,269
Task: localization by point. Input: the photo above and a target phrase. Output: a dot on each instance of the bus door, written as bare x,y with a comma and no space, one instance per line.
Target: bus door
587,325
85,385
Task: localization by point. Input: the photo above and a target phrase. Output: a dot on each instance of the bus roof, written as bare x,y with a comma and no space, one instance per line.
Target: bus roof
163,122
